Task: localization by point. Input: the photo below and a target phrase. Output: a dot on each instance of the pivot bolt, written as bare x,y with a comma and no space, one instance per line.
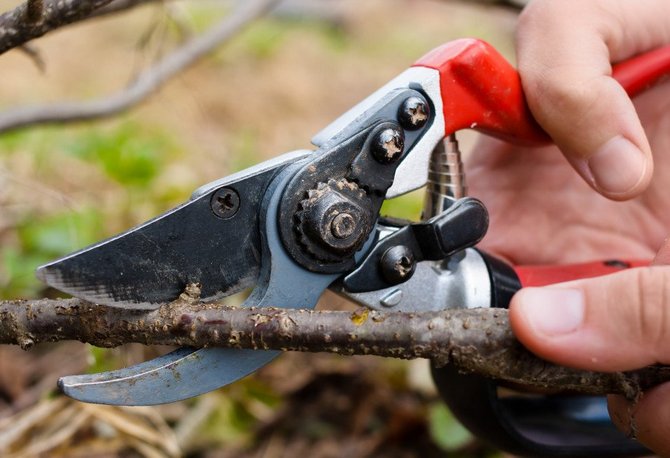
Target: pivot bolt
343,225
225,203
388,145
397,264
413,113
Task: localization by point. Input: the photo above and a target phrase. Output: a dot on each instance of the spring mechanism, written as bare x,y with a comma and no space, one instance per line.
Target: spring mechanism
446,178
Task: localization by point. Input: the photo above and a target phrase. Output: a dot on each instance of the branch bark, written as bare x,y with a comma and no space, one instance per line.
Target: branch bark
477,341
35,18
146,83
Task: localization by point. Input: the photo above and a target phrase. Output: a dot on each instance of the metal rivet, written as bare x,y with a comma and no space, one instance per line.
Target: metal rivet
397,264
225,203
413,113
392,299
343,225
388,145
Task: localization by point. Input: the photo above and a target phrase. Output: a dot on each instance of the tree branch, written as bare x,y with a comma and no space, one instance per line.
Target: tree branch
146,83
119,6
477,341
36,17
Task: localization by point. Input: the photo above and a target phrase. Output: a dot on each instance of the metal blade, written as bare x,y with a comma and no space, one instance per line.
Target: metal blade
186,372
182,374
152,263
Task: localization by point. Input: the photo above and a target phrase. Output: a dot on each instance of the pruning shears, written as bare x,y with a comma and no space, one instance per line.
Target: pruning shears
307,221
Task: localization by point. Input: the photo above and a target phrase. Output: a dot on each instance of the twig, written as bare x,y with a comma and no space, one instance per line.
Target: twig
33,53
35,18
119,6
474,340
34,11
146,83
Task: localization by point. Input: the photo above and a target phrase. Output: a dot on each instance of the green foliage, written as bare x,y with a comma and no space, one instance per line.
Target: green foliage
102,359
59,233
129,154
267,36
407,206
41,239
236,415
264,38
445,430
244,143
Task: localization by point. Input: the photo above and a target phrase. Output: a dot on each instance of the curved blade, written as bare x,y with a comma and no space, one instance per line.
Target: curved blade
182,374
152,263
186,372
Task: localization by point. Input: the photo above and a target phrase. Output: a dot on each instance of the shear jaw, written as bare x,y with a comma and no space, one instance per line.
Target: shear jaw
360,162
188,372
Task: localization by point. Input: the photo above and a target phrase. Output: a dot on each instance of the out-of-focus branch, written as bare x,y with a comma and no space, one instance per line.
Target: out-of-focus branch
38,17
119,6
478,341
34,55
146,83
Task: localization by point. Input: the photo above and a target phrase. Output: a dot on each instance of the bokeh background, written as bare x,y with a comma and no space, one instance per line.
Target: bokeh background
265,92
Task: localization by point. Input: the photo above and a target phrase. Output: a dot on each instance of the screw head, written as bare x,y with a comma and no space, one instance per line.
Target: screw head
343,225
388,145
397,264
225,203
413,113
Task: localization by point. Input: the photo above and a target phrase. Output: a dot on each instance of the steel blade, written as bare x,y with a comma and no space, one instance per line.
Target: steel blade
186,372
182,374
152,263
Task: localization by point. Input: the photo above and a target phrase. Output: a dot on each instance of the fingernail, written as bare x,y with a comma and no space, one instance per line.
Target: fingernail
618,166
553,311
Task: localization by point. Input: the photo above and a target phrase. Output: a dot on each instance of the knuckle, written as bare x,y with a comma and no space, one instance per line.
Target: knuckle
557,91
652,296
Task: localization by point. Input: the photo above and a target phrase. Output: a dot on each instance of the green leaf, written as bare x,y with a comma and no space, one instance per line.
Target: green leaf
58,234
445,430
129,154
17,273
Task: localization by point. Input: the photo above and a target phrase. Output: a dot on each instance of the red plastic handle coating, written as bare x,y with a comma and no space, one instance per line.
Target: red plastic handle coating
481,90
548,275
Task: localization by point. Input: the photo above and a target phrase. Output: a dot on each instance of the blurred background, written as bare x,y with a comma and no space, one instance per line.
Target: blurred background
264,92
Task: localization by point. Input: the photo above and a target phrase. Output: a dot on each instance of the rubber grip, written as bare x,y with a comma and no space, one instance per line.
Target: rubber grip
550,274
482,91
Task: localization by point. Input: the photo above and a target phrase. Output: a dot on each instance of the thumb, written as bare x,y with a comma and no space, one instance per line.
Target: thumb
611,323
564,50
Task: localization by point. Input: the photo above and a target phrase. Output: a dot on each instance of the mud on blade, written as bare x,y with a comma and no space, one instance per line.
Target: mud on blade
152,263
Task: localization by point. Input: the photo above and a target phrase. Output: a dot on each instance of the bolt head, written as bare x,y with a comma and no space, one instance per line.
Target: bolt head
413,113
225,203
336,222
343,225
388,145
397,264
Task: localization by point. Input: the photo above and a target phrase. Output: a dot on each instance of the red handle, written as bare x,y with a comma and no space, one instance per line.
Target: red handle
548,275
481,90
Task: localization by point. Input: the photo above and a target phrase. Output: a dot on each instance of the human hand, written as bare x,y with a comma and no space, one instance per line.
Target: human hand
544,213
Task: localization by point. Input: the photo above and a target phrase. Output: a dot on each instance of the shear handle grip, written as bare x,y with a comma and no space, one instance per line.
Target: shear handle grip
549,426
482,91
542,275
